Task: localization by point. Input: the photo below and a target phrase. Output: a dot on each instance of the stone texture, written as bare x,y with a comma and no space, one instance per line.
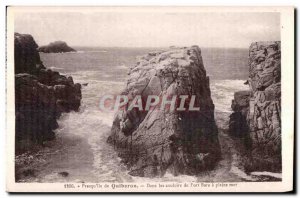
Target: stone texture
56,47
41,95
155,141
263,117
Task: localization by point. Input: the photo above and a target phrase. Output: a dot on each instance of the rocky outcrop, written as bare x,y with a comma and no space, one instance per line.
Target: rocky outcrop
238,126
261,117
41,95
27,58
159,140
56,47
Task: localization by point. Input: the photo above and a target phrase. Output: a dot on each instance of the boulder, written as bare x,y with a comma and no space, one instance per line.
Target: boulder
153,142
41,95
56,47
238,126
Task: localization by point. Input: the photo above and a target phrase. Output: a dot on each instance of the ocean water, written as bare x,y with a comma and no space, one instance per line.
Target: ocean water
80,147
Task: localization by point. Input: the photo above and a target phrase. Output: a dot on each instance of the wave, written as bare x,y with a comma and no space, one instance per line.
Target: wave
122,67
222,92
265,173
56,68
95,51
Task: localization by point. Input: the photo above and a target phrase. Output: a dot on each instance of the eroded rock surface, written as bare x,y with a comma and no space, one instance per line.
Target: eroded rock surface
41,95
263,112
155,141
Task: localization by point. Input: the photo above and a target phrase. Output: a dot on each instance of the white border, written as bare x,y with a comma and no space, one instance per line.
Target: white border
287,35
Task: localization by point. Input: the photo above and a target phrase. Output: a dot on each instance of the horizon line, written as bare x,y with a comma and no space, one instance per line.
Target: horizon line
165,47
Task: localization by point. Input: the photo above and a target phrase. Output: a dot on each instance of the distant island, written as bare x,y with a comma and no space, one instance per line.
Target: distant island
56,47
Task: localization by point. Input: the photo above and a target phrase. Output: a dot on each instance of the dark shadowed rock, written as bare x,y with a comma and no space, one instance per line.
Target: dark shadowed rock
155,141
41,95
64,174
238,126
261,118
56,47
27,58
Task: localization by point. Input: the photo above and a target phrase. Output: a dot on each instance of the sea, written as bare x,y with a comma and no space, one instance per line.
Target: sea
80,147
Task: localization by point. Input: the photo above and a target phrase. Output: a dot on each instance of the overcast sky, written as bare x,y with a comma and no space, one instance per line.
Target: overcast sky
150,29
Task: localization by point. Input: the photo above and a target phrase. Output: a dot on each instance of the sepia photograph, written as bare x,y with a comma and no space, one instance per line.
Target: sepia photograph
150,99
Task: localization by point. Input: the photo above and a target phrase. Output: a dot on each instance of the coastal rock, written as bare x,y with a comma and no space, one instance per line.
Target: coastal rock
238,126
41,95
27,58
56,47
263,112
159,140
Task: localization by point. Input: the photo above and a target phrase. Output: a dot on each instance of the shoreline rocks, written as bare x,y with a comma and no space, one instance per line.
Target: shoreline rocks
41,95
56,47
153,142
260,119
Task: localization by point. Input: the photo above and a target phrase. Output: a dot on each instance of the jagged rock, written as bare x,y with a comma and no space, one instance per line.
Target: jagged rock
152,142
41,95
56,47
263,118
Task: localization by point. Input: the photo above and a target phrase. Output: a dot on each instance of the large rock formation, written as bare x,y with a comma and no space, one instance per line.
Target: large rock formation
41,95
155,141
56,47
260,118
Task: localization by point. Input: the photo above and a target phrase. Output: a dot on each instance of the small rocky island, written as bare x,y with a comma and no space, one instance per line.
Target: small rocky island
156,141
41,95
56,47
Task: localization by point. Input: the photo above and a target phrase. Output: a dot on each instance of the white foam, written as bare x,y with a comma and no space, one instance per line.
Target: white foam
222,93
265,173
56,68
235,170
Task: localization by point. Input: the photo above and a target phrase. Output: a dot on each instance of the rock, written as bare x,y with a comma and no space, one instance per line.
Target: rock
237,123
27,58
261,119
154,141
29,172
64,174
41,95
241,100
264,123
56,47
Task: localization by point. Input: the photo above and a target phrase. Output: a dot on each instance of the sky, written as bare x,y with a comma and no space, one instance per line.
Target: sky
149,29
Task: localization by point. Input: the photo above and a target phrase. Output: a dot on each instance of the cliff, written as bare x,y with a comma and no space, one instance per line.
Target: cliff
159,140
56,47
258,119
41,95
